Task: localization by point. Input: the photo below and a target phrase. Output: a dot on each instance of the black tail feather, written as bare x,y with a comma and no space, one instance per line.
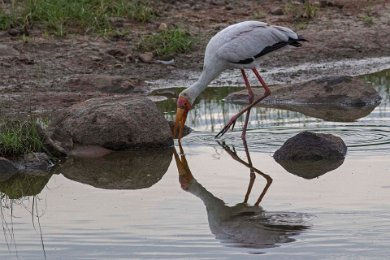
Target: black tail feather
295,42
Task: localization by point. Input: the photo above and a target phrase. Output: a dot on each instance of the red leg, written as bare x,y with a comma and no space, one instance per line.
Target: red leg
250,98
248,87
267,91
232,121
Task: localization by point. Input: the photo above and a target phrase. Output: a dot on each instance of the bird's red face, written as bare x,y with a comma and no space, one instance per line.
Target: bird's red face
183,106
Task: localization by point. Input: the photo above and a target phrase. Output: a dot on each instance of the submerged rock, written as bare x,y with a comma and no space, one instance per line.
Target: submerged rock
186,130
119,170
310,155
340,98
116,123
34,163
7,169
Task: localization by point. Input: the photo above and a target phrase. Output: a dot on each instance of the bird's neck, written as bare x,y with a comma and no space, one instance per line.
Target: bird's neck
199,86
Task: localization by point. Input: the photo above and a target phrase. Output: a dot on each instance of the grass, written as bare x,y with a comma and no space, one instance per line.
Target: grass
169,42
19,137
306,11
368,20
64,16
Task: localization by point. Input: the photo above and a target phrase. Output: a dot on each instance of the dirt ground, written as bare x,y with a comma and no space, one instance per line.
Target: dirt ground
33,79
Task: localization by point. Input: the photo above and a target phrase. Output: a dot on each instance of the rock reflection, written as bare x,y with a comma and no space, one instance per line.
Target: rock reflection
310,169
242,225
119,170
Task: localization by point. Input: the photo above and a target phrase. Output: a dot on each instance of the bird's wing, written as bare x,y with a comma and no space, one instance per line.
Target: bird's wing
246,43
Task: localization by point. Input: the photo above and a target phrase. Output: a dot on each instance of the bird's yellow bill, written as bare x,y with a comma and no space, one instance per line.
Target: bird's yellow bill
181,116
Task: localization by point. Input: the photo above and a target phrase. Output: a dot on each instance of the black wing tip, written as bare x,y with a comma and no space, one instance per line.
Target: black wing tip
296,42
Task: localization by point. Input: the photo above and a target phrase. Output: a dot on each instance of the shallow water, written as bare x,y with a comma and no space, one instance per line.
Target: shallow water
140,206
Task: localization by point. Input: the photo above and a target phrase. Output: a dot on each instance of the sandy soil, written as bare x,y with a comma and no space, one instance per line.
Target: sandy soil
33,78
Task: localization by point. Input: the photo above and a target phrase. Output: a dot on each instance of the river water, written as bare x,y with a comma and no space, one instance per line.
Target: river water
195,203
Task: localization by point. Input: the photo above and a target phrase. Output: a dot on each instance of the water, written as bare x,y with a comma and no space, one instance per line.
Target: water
140,206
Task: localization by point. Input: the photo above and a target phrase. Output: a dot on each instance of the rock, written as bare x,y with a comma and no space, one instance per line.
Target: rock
331,3
6,51
186,130
7,169
146,57
89,151
116,123
117,53
277,11
34,162
341,98
14,32
117,21
312,146
310,155
338,90
162,27
119,170
105,84
58,148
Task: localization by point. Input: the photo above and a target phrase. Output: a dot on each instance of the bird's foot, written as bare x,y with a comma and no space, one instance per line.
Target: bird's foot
231,123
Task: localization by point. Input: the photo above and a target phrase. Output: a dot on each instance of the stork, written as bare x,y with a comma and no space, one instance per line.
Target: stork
240,46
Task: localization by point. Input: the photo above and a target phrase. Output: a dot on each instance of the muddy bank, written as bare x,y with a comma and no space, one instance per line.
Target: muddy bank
35,71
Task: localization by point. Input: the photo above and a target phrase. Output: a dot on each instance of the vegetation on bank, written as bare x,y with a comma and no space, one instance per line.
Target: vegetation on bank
168,42
18,138
63,16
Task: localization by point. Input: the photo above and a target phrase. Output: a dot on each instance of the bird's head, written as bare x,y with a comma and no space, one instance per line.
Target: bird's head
183,106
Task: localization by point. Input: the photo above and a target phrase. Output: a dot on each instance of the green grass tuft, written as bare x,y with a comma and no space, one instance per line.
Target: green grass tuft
19,137
306,11
169,42
64,16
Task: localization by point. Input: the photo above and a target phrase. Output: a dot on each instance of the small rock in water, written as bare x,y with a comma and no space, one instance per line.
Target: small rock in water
310,155
312,146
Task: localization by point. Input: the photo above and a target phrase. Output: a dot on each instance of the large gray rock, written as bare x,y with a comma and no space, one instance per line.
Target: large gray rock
117,123
7,169
312,146
340,98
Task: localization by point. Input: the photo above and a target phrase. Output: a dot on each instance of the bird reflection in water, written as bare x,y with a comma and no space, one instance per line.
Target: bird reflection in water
242,225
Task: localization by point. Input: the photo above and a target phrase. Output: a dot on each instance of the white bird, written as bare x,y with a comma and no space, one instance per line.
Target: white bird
237,46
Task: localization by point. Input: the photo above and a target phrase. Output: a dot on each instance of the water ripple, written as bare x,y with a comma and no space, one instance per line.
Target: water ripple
359,138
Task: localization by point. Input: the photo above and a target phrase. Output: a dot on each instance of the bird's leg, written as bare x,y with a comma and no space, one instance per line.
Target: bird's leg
248,87
233,120
250,98
251,171
267,91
